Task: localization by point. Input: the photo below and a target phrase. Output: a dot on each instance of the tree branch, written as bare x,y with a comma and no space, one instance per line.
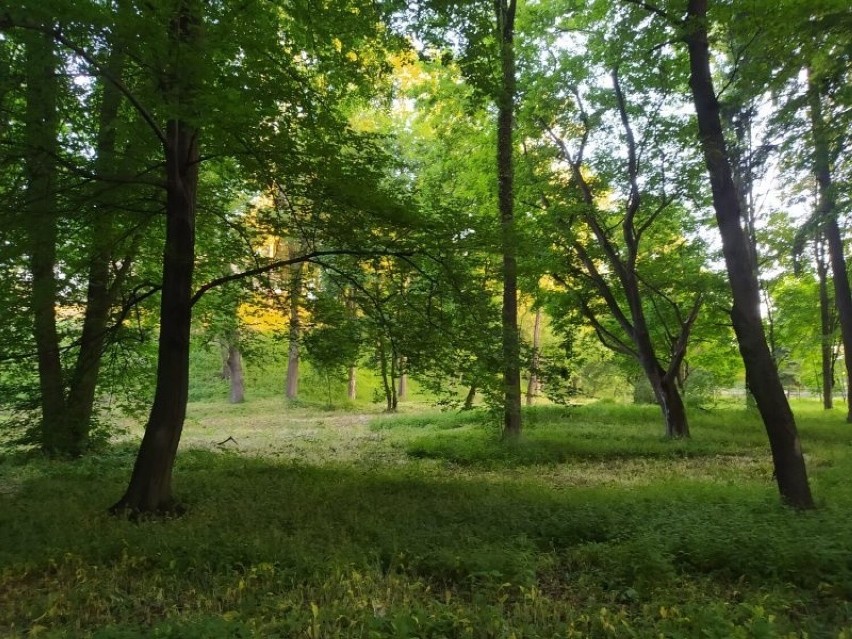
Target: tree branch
307,257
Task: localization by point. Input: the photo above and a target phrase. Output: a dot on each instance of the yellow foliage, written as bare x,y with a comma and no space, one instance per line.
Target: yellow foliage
262,318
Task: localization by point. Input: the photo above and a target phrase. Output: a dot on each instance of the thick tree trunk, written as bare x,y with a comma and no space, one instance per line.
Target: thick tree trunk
825,328
666,392
672,406
235,370
150,488
295,334
765,383
827,210
532,385
505,14
40,132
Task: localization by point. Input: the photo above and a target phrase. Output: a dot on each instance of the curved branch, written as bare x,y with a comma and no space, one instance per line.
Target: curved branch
307,257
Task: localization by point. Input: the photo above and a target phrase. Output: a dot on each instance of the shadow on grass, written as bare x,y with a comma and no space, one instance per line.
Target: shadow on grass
258,533
309,519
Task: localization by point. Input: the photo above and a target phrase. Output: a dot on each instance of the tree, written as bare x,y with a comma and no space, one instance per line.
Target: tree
505,16
632,287
769,394
487,58
826,213
189,84
83,227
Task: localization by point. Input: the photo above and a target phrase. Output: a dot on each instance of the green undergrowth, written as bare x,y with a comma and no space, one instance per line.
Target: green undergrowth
426,525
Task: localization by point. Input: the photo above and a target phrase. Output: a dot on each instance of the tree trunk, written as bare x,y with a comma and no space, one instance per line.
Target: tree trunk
674,411
224,353
825,327
235,369
827,210
505,14
402,390
150,489
352,387
387,378
532,385
790,472
100,295
394,397
40,134
292,390
471,395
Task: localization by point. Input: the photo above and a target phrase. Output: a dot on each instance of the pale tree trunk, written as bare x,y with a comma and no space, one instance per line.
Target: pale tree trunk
235,374
292,389
224,353
402,388
505,15
351,390
40,134
827,211
532,385
150,488
790,472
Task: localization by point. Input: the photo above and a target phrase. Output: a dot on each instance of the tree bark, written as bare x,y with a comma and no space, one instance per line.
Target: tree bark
790,472
150,488
825,327
224,353
292,388
235,370
387,377
402,389
352,387
351,390
827,211
622,262
100,293
40,133
532,385
505,14
673,409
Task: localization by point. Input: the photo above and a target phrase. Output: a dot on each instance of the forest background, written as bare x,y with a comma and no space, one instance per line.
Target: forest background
338,204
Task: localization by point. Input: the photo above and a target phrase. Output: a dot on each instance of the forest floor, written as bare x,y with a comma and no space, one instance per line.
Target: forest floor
304,523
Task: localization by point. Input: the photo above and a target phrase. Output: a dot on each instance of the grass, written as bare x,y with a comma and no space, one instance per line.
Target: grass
331,524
